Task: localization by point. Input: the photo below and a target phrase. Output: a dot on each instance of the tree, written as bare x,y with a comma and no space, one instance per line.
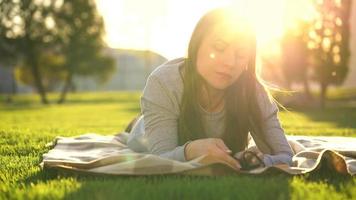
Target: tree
329,40
72,29
7,53
294,56
51,67
27,30
81,42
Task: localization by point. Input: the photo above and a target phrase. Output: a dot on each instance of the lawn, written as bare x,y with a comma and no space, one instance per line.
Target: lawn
26,127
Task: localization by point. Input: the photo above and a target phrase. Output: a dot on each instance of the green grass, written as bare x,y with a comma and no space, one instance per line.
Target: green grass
26,127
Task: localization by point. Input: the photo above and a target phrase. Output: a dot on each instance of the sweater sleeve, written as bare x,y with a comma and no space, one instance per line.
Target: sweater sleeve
160,111
281,152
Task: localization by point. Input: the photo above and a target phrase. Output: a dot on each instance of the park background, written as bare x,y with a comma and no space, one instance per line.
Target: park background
69,67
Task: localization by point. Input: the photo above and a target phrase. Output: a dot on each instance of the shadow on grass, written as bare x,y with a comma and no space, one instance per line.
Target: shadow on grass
340,183
22,102
134,108
177,186
49,174
103,100
174,186
342,116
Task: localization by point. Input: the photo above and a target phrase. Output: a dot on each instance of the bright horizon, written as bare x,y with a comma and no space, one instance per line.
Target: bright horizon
165,26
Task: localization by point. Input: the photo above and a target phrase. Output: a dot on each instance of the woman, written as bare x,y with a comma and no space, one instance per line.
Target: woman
207,103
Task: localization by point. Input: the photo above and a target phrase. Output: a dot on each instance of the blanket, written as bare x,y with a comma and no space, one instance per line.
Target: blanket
95,153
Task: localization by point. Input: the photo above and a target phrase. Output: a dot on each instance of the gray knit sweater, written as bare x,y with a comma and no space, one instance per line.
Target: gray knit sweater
156,130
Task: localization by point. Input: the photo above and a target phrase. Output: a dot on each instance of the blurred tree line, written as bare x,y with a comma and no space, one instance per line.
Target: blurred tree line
53,40
318,50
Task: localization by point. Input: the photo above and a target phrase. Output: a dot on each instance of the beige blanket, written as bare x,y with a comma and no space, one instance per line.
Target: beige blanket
95,153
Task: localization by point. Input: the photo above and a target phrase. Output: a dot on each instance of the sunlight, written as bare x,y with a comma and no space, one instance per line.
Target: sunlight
266,17
272,18
166,27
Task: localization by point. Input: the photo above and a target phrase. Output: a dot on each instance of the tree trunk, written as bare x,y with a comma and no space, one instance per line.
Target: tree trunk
37,78
13,82
323,91
8,99
307,88
66,88
13,91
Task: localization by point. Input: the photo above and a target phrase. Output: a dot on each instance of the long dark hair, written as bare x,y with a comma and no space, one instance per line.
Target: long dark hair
241,106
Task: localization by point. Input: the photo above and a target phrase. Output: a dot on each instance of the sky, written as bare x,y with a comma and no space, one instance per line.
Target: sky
165,26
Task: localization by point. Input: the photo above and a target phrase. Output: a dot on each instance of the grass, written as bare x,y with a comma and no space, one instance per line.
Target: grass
26,127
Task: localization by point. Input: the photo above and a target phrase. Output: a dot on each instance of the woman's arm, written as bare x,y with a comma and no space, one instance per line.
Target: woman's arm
160,110
280,151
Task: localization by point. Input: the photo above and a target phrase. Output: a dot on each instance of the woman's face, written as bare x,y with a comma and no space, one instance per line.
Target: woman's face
222,56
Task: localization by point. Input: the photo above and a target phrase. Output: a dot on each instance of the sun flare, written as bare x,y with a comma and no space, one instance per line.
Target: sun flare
166,26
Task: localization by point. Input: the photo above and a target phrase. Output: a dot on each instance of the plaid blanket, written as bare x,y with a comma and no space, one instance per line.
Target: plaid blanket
95,153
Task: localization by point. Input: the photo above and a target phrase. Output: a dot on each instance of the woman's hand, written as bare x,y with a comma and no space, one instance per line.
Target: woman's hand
250,159
214,148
